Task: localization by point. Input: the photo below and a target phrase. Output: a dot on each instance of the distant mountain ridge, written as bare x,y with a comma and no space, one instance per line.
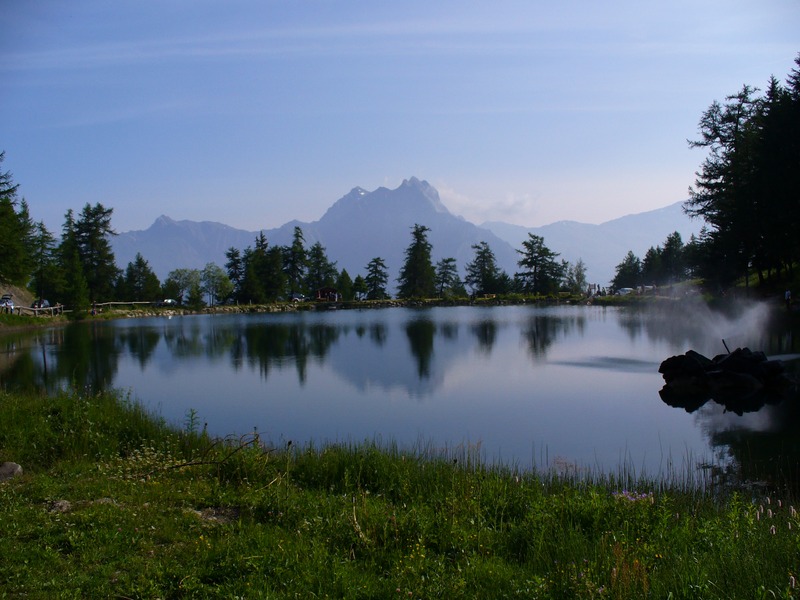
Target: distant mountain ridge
362,225
602,247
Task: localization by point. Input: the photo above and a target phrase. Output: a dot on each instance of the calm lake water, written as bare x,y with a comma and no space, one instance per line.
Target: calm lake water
521,385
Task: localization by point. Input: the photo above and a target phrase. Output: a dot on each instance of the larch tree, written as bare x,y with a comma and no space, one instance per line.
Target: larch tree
92,232
483,274
16,230
376,279
417,276
541,273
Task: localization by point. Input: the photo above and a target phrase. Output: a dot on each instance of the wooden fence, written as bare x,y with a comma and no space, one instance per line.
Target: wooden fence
59,309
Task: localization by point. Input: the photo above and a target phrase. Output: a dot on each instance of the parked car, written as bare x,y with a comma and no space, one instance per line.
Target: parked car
41,303
6,303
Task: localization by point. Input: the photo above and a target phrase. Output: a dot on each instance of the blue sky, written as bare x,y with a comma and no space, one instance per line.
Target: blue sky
253,113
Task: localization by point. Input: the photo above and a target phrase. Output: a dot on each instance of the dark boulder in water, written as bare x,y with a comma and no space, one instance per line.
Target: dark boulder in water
742,381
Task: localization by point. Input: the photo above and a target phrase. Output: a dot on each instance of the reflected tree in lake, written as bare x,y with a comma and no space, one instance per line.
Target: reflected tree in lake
298,348
449,330
541,331
485,332
19,371
321,338
267,344
88,356
34,370
377,333
273,345
220,340
186,341
22,374
420,334
141,343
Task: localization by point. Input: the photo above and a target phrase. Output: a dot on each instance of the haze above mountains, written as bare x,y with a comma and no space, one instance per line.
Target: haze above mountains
362,225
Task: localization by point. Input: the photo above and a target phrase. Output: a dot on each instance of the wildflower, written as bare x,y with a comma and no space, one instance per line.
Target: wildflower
772,530
792,581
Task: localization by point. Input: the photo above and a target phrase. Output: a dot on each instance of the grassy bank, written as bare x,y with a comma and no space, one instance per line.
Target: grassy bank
113,503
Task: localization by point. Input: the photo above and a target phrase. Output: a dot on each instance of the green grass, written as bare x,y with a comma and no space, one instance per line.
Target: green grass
115,504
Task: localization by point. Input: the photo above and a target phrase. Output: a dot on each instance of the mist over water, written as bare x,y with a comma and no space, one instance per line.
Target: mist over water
699,327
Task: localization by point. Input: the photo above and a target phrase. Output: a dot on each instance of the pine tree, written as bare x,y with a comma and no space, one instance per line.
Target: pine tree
295,262
541,273
417,276
447,280
75,294
321,273
344,284
234,266
92,230
140,283
359,288
15,233
628,272
746,190
45,274
483,274
376,279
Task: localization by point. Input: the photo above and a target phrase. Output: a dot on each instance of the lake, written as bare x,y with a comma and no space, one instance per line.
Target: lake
567,387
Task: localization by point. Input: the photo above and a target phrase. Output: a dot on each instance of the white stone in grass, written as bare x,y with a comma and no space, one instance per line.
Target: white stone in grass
9,470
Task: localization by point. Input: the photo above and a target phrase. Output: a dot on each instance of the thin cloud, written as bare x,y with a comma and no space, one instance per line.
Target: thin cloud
552,32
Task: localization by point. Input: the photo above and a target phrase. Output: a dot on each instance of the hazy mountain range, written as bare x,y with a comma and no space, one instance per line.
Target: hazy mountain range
362,225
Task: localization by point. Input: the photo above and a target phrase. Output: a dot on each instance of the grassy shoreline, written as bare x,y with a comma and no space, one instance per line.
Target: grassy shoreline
114,503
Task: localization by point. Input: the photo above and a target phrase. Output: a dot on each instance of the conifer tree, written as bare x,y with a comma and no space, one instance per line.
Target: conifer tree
541,273
295,262
447,279
417,276
16,230
376,279
344,284
359,288
321,272
483,274
92,230
140,283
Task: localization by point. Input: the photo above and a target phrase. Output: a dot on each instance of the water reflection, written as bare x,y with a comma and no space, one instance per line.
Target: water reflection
420,334
575,382
485,331
542,330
